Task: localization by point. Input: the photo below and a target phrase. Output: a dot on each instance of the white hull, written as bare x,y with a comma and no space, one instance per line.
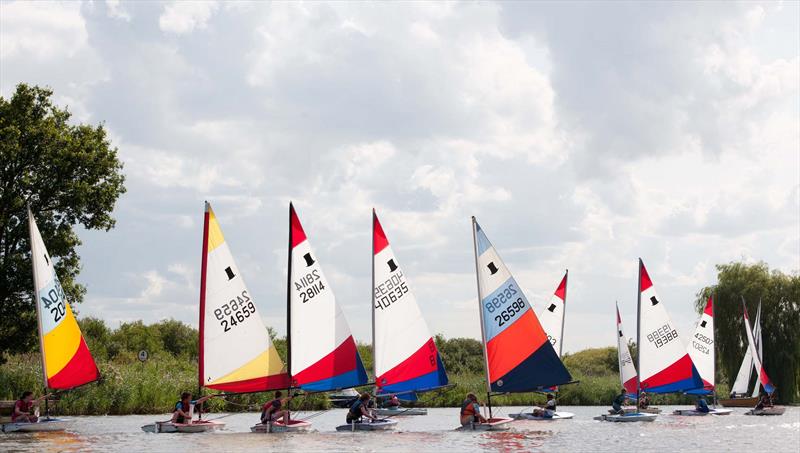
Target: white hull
402,411
295,426
559,415
694,413
627,418
633,410
379,425
48,424
775,410
494,424
196,427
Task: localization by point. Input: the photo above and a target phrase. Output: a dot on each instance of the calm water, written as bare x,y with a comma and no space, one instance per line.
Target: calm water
434,432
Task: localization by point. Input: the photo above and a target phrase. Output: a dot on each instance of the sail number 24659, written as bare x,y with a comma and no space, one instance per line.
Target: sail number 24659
237,310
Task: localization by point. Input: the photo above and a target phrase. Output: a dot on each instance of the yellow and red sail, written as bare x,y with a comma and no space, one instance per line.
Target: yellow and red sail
66,360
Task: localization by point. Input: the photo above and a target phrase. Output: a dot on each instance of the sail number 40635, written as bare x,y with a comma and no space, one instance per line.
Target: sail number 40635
54,302
237,310
390,291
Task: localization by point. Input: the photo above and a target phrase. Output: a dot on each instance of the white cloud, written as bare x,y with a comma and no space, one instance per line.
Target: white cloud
185,16
41,30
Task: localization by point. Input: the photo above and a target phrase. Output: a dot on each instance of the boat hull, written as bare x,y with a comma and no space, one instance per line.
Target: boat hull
775,410
559,415
739,402
633,410
45,425
201,426
627,418
493,424
379,425
695,413
294,426
402,411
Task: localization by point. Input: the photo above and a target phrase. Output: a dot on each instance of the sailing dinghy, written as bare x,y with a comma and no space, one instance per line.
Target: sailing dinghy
407,361
518,356
66,360
739,392
701,350
552,320
322,353
763,379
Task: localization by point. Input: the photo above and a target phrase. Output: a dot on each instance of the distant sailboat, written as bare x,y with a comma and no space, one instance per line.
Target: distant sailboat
741,384
627,370
552,316
406,358
66,360
519,357
763,379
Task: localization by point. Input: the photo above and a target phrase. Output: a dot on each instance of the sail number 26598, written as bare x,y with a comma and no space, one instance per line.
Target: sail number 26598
235,311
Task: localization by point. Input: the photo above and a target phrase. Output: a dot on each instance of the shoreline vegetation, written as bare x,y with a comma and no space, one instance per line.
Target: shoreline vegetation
129,386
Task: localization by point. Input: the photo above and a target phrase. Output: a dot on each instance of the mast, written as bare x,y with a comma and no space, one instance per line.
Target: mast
202,321
372,311
638,336
289,313
714,343
480,311
36,302
563,314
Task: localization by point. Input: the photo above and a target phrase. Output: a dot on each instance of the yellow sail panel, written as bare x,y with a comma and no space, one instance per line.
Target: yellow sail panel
61,343
268,360
215,237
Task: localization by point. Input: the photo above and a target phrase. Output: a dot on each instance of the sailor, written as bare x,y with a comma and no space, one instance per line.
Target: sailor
394,401
22,408
360,409
700,405
471,411
181,412
644,401
273,409
618,402
550,405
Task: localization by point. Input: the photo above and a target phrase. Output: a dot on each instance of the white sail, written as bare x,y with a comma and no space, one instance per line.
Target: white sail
552,316
760,348
701,346
236,353
627,370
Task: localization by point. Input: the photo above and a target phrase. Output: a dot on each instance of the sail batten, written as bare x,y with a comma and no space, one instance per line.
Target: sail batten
324,355
66,360
236,353
519,356
406,357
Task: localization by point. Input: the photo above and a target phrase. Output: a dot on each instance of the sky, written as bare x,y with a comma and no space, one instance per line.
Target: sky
581,135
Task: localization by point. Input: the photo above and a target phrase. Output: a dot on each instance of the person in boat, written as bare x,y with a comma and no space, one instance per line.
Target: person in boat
644,400
360,409
182,411
393,402
471,411
23,406
618,402
764,402
274,409
700,405
549,408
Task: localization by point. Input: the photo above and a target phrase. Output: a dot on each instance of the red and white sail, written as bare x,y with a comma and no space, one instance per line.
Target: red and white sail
236,353
323,352
664,364
552,316
406,358
763,379
627,370
701,346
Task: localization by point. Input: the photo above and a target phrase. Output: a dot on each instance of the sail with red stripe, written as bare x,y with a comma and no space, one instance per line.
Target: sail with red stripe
763,379
701,349
664,364
236,353
519,357
66,360
627,370
323,352
406,357
552,316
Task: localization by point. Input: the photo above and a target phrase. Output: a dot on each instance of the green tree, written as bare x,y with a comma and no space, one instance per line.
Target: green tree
780,321
132,337
177,338
69,174
97,336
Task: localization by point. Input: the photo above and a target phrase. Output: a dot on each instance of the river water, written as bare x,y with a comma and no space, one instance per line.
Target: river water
435,433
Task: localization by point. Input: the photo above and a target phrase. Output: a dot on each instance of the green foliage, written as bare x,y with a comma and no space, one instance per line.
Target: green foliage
780,321
69,174
461,355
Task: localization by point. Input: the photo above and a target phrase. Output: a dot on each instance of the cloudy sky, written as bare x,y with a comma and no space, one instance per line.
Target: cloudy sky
582,136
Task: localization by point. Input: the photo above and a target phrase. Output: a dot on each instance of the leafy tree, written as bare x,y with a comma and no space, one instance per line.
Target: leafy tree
132,337
461,355
780,321
69,174
177,338
97,336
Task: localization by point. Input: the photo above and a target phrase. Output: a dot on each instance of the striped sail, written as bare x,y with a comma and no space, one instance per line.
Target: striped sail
701,348
763,379
66,360
519,358
323,352
236,353
552,316
664,364
627,371
406,358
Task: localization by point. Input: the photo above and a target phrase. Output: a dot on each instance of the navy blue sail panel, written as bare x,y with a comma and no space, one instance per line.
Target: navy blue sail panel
540,371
